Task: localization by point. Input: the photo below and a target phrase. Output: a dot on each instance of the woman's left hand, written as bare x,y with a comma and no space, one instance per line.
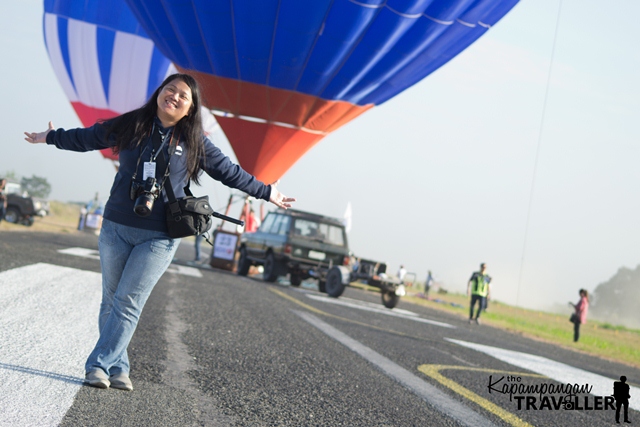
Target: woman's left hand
38,137
279,199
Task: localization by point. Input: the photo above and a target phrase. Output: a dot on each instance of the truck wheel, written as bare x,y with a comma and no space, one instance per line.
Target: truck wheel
322,286
295,280
28,221
334,285
390,299
243,263
12,215
270,273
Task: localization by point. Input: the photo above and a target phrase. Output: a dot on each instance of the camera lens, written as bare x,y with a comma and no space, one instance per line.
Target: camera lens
144,204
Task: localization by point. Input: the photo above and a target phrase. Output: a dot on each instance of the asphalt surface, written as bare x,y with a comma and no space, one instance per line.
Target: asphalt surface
224,350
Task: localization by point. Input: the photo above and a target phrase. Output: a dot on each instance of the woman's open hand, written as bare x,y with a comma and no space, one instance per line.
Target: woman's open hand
279,199
38,137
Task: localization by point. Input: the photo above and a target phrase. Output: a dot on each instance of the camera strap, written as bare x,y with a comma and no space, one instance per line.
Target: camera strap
162,164
157,144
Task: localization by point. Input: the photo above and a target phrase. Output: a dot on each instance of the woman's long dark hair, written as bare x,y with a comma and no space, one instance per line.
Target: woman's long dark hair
131,128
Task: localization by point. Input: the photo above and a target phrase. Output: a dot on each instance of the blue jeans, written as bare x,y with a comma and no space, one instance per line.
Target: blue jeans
481,304
132,261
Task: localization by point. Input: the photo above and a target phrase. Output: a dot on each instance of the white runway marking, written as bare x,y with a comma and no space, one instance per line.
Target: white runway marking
426,391
377,308
184,270
565,374
81,252
93,254
48,327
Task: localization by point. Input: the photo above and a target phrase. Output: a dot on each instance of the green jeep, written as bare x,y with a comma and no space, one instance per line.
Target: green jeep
297,243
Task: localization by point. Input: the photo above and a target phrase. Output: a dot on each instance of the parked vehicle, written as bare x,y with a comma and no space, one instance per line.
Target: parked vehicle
372,273
297,243
22,208
304,245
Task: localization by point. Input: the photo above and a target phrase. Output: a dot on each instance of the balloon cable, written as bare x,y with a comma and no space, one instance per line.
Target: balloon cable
535,163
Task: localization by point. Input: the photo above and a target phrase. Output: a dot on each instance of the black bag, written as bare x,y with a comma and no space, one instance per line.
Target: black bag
188,216
574,318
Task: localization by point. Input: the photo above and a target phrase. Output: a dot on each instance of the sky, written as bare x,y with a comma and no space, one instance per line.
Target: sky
485,160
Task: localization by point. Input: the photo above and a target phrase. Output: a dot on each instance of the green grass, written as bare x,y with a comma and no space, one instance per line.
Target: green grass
63,219
611,342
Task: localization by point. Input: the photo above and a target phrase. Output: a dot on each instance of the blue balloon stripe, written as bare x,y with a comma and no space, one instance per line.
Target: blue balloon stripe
346,24
387,29
254,48
408,8
157,71
427,34
479,10
162,25
213,20
186,35
444,10
63,39
447,48
105,40
114,15
420,37
299,27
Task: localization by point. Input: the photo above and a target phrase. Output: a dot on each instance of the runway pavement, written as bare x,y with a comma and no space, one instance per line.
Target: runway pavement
215,349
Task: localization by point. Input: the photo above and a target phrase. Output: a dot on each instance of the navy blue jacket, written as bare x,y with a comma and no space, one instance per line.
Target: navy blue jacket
119,207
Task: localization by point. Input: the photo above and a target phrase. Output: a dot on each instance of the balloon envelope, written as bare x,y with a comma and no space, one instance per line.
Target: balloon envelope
282,74
104,60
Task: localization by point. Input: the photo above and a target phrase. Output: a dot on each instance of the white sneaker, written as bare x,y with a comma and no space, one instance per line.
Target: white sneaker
121,381
97,378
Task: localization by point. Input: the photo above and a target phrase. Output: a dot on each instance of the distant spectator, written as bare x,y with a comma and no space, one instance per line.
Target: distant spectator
83,217
478,289
3,199
580,315
251,223
401,273
428,283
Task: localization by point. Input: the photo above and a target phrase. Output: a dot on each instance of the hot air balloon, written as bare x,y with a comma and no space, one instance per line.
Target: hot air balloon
104,60
282,74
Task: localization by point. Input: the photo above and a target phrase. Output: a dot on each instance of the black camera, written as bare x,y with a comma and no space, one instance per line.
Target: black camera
145,194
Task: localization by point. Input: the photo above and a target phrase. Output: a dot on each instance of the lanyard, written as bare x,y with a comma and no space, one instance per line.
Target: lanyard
164,139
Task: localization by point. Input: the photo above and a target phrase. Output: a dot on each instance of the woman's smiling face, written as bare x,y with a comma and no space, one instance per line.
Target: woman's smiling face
174,102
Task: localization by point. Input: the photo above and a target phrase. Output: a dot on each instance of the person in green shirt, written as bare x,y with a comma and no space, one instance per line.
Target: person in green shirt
479,291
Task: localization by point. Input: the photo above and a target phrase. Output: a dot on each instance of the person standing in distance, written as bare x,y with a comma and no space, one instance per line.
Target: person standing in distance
580,315
428,283
401,273
164,135
478,289
3,199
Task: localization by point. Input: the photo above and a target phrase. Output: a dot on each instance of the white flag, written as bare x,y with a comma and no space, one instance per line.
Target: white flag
347,218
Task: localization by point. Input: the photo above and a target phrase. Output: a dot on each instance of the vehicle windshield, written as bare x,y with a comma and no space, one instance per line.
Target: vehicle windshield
12,188
318,231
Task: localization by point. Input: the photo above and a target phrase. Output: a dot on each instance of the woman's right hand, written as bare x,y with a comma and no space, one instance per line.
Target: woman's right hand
38,137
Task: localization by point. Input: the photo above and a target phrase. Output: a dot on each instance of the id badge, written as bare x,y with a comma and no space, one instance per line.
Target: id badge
149,170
